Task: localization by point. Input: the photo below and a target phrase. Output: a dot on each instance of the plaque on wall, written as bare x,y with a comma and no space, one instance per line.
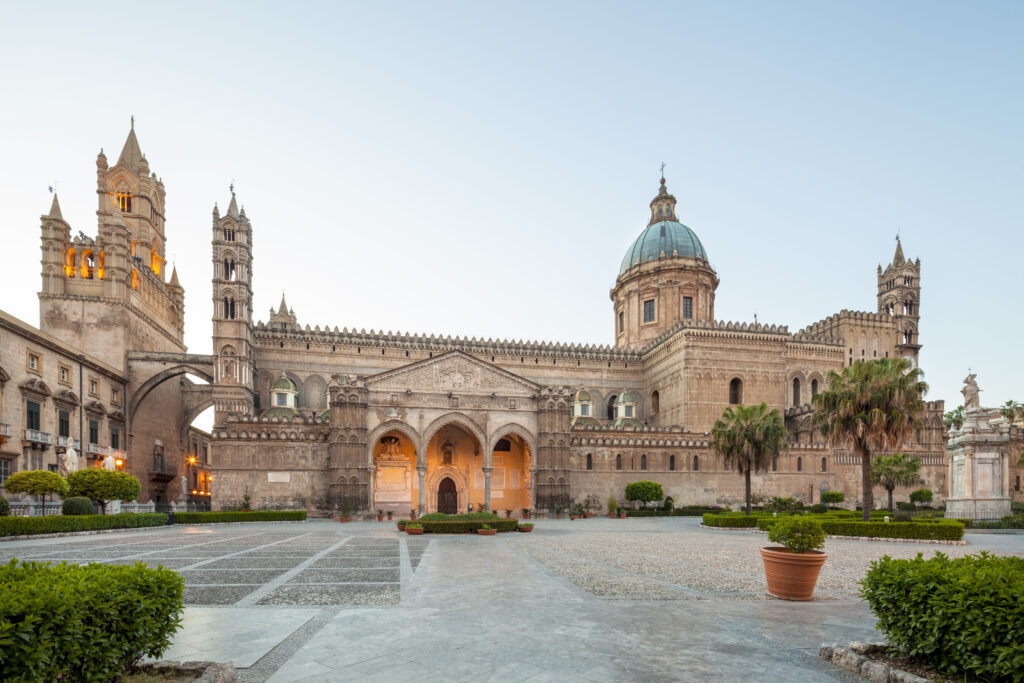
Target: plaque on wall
279,477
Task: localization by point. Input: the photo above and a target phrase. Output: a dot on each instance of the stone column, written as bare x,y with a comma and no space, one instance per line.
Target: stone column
487,489
369,490
423,494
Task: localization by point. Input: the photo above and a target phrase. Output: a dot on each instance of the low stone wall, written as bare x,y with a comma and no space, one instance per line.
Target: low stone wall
855,660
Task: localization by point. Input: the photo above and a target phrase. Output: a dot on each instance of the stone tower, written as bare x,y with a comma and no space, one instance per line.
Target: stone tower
107,294
899,295
232,312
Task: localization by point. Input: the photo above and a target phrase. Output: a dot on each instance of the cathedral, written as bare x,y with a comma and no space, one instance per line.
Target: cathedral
317,416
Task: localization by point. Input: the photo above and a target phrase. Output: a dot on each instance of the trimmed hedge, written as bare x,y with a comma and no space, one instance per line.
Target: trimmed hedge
84,623
220,517
466,526
77,506
731,521
5,507
465,516
678,512
936,529
959,616
58,524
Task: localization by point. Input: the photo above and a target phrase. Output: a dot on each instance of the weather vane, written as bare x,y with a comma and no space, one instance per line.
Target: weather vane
232,186
663,170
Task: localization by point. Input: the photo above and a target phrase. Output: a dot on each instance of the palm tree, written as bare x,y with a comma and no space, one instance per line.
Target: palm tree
872,404
898,469
954,418
750,437
1012,411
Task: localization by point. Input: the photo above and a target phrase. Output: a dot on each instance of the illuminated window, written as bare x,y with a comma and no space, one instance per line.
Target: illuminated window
124,202
88,263
649,311
69,262
135,279
687,307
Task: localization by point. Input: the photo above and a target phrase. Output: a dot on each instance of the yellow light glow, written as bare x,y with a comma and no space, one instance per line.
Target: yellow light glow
193,491
119,462
135,279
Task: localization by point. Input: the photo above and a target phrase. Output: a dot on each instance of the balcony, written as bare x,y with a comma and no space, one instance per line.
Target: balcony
97,450
5,430
38,438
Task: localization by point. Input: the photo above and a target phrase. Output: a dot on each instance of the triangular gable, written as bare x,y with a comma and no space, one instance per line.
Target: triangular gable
454,371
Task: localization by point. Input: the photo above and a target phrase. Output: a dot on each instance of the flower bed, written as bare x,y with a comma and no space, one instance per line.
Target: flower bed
58,524
466,526
84,623
960,616
257,516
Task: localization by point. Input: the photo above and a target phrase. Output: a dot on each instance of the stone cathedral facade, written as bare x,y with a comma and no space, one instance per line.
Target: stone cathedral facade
311,416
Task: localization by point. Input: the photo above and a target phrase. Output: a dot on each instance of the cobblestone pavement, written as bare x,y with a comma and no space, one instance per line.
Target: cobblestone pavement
599,599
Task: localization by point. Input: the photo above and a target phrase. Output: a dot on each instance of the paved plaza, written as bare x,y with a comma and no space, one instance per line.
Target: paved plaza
597,599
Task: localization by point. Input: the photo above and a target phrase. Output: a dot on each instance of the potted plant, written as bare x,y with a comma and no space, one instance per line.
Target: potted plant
792,570
525,527
401,525
413,528
622,513
508,514
558,511
390,512
494,512
526,513
380,515
344,512
412,512
613,507
486,530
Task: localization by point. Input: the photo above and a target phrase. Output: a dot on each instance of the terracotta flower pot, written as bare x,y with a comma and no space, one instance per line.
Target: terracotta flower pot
586,515
622,515
344,519
380,518
413,532
791,576
487,532
524,529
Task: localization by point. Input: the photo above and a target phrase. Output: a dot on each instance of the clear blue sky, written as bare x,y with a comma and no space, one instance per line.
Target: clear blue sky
479,168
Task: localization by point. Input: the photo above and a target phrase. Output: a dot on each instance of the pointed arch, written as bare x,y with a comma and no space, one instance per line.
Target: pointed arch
517,429
395,426
457,419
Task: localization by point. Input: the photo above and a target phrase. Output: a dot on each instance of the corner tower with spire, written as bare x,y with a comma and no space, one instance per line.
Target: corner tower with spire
232,312
108,293
899,295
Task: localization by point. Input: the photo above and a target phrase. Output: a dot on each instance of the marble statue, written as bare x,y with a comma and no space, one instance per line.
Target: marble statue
971,392
68,460
109,464
183,492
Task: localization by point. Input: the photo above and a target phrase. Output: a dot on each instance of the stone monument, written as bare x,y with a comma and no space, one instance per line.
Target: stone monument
980,453
68,460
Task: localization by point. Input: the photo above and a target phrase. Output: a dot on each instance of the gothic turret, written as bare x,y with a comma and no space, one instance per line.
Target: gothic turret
899,295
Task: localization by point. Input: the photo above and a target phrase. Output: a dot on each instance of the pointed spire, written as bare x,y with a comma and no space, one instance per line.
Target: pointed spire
233,206
174,276
55,209
898,259
131,153
283,308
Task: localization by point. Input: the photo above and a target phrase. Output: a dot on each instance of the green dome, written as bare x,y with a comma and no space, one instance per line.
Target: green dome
670,238
285,384
581,396
279,412
625,397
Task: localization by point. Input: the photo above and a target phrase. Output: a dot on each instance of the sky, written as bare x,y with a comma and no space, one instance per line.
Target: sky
479,168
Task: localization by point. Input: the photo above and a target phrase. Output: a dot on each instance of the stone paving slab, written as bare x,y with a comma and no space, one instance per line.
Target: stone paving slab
347,575
194,577
217,595
334,594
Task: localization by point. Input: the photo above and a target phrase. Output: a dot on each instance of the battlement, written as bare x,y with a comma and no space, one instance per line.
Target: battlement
828,327
762,330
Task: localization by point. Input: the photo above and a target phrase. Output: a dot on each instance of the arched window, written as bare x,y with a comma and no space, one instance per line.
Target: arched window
814,388
135,279
655,403
618,461
229,269
824,464
799,464
229,308
229,234
504,445
590,461
736,391
611,406
696,463
643,461
124,202
775,464
88,263
796,391
672,463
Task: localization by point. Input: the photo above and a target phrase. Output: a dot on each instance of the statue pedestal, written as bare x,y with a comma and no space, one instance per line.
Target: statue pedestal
979,468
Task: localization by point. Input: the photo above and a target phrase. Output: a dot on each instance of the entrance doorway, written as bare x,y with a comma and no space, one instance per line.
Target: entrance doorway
447,497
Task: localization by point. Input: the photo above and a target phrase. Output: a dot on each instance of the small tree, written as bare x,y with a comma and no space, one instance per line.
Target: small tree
954,418
898,469
749,437
103,486
921,496
832,497
37,483
645,491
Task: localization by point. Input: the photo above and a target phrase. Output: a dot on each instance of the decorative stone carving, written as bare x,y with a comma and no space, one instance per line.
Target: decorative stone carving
454,371
971,393
68,460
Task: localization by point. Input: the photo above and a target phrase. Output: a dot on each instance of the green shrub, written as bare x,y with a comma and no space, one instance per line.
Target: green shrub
413,525
777,504
936,530
959,616
613,505
677,512
466,516
668,504
902,516
730,520
644,491
832,497
221,517
103,485
903,505
36,483
58,524
1013,522
921,496
1016,507
84,623
467,526
77,506
5,507
819,508
798,534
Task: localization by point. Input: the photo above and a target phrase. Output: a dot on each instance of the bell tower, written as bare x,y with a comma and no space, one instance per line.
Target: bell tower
899,295
232,312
